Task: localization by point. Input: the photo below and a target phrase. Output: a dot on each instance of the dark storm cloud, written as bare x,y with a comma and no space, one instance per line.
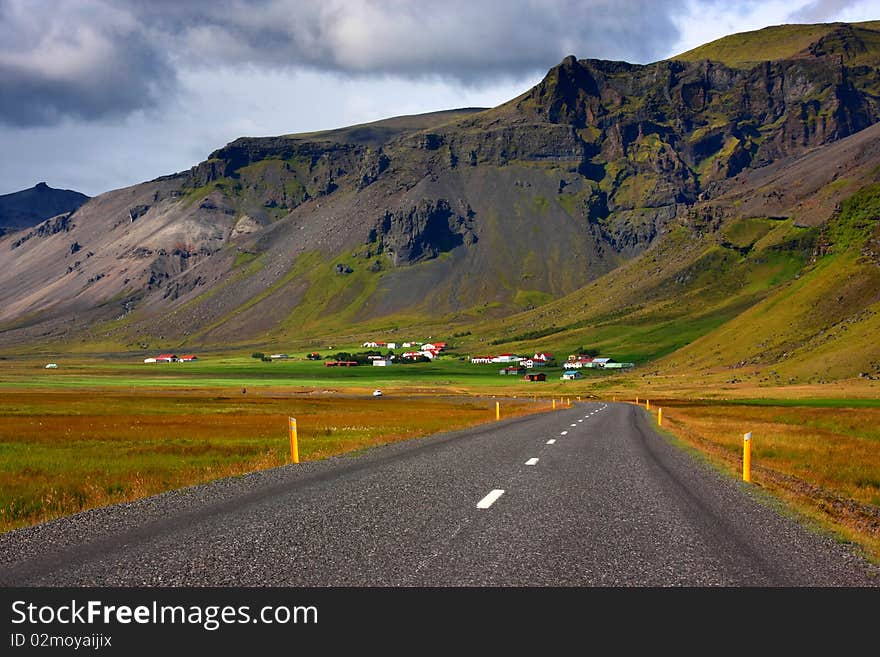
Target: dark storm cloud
86,61
94,59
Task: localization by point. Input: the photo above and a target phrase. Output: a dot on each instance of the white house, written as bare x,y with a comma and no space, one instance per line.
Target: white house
543,355
407,345
506,358
149,360
371,344
481,360
392,345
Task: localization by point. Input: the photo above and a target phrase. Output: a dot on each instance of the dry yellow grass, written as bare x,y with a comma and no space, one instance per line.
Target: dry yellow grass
824,461
65,451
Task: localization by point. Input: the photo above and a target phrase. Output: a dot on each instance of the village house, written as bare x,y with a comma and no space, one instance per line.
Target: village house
482,360
188,358
382,362
533,362
506,358
166,358
512,370
535,376
570,375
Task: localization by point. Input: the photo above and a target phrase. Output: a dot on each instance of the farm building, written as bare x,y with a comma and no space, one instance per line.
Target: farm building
535,376
481,360
506,358
512,369
166,358
613,365
188,358
279,356
150,360
533,362
543,355
570,375
382,362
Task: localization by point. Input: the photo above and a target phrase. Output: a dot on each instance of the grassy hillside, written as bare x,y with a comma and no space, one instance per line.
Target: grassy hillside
822,325
857,42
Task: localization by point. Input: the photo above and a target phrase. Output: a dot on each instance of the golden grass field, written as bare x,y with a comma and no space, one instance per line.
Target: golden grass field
823,461
63,451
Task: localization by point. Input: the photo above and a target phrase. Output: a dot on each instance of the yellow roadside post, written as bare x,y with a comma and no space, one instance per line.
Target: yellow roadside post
637,401
747,456
497,410
294,441
554,403
647,404
660,417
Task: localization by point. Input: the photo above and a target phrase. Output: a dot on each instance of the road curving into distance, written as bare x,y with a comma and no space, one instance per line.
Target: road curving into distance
584,496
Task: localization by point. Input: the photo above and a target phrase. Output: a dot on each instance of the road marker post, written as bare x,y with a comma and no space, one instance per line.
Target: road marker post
554,403
294,440
647,404
660,417
497,411
747,457
637,401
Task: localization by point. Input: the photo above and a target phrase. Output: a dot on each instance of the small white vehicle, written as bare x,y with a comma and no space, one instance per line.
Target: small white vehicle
51,366
377,393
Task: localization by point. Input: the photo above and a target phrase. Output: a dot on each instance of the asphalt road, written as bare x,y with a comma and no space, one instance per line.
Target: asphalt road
592,496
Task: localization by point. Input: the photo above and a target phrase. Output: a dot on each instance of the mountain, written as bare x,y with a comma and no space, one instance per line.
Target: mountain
638,207
29,207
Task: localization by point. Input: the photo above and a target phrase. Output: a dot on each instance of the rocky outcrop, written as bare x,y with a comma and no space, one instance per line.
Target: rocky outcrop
421,232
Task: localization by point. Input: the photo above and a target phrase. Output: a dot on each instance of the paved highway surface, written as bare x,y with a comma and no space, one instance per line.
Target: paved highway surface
583,496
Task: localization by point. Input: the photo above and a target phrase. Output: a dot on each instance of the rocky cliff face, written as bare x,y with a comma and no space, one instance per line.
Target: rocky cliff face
447,213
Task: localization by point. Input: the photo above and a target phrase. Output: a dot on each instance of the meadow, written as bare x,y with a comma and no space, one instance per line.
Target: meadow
97,431
66,450
822,456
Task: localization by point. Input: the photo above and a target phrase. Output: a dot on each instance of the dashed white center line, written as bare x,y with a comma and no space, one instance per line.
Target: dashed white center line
551,441
573,425
563,433
532,461
489,500
580,421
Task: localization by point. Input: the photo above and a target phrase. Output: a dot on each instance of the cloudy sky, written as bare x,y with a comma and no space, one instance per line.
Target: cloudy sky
100,94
